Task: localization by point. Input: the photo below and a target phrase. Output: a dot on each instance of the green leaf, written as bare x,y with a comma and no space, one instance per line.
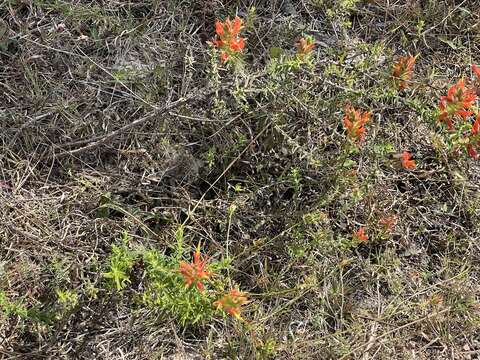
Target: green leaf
275,52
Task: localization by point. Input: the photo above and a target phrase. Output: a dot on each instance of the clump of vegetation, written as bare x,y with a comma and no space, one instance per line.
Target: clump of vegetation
172,286
207,180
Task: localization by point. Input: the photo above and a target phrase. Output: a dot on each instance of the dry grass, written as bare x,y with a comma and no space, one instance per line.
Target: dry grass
75,175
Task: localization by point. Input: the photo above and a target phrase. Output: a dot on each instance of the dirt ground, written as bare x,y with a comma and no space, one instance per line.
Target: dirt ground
126,143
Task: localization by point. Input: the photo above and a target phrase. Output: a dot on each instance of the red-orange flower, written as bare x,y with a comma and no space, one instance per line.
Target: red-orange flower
231,303
235,28
476,125
229,40
354,122
360,235
407,161
476,71
472,152
459,101
219,28
388,222
305,46
474,139
402,70
237,44
223,56
195,272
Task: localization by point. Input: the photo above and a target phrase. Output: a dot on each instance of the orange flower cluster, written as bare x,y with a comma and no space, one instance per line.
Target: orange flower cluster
304,47
360,235
402,70
407,161
229,40
458,102
231,302
354,122
195,272
386,222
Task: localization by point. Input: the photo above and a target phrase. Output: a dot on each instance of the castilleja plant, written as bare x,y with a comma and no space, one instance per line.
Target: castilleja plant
354,122
229,41
305,47
194,273
360,235
231,303
402,71
456,110
407,162
458,103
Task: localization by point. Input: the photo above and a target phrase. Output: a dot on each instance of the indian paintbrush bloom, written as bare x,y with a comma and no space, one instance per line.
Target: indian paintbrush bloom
476,71
360,235
476,126
195,272
458,102
229,41
472,152
304,47
388,222
354,122
402,70
231,303
407,162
